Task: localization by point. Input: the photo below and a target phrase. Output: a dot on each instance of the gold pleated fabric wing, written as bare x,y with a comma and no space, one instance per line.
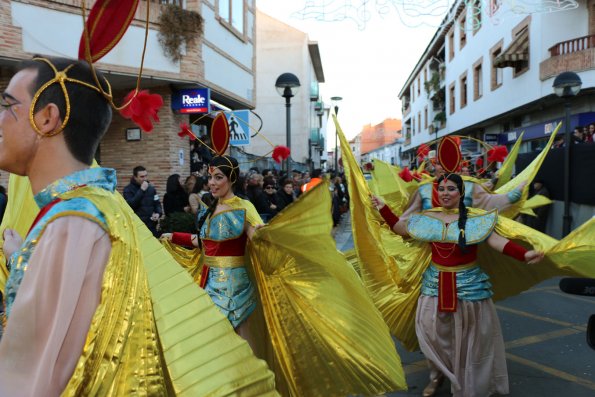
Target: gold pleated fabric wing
391,187
527,175
155,331
390,267
20,212
505,172
328,338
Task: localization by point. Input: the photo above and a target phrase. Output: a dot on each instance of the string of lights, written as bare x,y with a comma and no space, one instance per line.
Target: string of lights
433,13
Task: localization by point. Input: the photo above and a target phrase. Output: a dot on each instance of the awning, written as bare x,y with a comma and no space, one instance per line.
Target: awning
516,53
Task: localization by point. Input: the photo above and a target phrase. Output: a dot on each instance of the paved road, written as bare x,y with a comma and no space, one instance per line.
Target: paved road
544,331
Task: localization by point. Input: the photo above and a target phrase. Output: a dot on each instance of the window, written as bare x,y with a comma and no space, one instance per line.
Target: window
451,44
496,75
521,66
231,13
463,32
413,92
464,90
425,75
419,122
426,118
477,80
413,125
418,85
451,97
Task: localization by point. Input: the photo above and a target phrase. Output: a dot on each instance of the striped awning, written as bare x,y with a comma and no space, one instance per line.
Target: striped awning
517,51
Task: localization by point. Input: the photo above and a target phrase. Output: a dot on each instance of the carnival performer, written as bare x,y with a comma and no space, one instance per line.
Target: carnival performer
456,322
224,228
315,307
80,298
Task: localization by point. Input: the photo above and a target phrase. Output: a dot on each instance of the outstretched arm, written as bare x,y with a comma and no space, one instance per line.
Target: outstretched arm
512,249
183,239
398,226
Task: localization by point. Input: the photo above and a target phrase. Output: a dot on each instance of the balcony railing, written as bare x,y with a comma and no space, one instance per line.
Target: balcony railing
574,45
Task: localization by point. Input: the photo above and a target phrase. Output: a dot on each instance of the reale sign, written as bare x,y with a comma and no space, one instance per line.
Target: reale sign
191,101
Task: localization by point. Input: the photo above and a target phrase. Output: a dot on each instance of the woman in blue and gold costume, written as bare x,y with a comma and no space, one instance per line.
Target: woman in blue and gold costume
323,336
456,321
224,228
394,269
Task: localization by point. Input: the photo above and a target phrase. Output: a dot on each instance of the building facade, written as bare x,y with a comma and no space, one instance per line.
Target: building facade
494,80
488,73
221,59
280,49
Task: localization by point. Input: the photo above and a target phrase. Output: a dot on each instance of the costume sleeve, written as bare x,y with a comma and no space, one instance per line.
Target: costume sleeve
52,312
252,215
414,206
488,201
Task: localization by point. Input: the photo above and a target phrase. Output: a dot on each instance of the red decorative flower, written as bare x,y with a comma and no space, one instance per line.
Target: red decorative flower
185,131
497,154
280,153
405,175
423,151
479,162
417,176
368,166
142,109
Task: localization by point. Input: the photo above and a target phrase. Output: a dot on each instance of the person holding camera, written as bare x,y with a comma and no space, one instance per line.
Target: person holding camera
142,197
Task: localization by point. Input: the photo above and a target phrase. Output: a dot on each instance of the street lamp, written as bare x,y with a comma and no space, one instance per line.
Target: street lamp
287,86
567,85
336,100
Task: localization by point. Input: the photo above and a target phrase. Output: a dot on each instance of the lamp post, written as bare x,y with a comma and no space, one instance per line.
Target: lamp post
287,86
336,100
567,85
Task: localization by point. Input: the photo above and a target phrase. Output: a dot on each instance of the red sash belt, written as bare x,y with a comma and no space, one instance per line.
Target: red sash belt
447,285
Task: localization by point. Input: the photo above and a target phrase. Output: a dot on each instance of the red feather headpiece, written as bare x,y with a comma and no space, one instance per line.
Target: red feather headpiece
405,175
280,153
497,154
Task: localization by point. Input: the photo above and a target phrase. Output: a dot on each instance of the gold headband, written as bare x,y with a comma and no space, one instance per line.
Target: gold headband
233,168
60,78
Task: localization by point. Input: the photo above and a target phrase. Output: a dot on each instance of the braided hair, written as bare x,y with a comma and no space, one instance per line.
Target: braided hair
462,207
230,168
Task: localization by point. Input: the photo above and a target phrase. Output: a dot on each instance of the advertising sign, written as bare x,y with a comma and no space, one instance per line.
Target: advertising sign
191,101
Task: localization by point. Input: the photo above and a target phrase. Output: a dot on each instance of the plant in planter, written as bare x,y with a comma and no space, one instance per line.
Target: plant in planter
178,27
433,84
441,116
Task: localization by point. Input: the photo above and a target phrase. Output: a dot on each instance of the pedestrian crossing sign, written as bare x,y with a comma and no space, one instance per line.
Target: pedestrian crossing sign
239,128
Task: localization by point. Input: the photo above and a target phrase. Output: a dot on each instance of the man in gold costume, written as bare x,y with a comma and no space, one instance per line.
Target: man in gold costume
86,312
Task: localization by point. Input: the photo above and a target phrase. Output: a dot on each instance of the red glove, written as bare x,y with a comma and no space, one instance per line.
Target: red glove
515,251
183,239
388,216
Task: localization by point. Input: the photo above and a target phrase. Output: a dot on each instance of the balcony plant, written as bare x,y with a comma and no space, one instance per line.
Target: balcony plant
178,27
440,116
433,84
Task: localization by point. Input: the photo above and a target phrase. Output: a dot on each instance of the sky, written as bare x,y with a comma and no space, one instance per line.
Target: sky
367,67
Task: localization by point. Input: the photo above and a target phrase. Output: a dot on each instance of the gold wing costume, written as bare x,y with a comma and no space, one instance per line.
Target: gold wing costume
159,306
391,267
323,335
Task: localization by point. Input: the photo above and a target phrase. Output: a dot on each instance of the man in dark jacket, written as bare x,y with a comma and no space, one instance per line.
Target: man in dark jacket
143,198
